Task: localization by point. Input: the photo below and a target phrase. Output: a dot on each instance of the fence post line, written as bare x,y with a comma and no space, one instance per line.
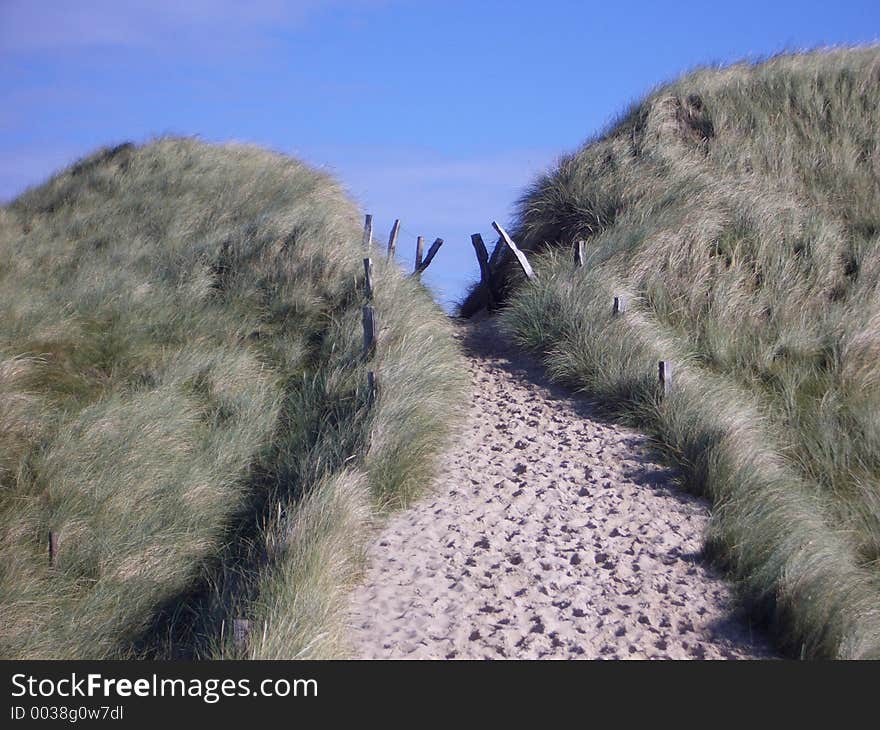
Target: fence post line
579,253
392,239
368,231
369,317
664,376
368,278
520,256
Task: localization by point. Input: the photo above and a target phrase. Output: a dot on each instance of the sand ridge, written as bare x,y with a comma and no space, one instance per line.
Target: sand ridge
550,534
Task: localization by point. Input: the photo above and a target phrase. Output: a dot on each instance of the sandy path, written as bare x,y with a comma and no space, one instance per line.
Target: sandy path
551,535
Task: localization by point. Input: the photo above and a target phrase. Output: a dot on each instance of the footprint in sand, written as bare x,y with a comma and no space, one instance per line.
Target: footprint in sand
551,534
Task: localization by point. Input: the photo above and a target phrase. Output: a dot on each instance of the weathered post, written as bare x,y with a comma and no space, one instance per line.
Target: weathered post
241,631
619,305
392,239
485,270
368,278
369,317
579,253
420,250
496,253
368,231
520,256
664,376
53,547
432,252
372,387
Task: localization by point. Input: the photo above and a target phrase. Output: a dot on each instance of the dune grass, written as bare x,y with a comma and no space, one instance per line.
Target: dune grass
738,210
183,402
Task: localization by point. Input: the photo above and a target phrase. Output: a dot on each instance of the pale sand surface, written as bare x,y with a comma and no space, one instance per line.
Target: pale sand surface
551,534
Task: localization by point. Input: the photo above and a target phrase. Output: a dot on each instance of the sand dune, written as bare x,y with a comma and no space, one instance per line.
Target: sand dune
552,534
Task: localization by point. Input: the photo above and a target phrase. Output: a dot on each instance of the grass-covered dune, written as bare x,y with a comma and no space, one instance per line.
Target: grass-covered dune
183,403
738,211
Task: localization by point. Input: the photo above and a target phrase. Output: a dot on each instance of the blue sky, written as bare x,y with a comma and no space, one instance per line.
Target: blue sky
435,112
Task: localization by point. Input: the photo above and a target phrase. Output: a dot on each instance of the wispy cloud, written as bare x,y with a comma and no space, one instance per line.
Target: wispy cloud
27,26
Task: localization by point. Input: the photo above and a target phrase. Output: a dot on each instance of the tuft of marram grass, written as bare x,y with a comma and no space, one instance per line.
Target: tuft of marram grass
183,392
302,597
737,209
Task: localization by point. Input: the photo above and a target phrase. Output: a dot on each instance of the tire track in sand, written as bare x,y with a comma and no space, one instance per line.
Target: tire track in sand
550,534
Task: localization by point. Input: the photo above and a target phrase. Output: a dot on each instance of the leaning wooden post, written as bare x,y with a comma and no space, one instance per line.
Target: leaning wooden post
420,251
496,253
368,279
241,631
392,239
432,252
485,271
520,256
368,231
53,547
369,316
619,305
664,376
579,253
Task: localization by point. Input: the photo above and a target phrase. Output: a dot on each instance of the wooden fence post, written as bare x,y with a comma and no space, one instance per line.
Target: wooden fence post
496,253
579,253
372,387
368,278
53,547
241,631
420,250
369,316
432,252
619,305
520,256
485,270
664,376
368,231
392,239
